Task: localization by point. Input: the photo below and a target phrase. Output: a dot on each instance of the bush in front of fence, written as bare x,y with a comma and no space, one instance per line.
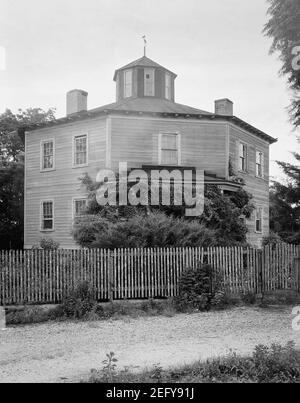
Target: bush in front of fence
200,288
80,302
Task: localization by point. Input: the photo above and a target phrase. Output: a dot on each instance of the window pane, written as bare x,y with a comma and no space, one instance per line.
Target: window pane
80,206
258,221
149,82
47,155
47,215
80,150
169,157
128,83
168,86
169,141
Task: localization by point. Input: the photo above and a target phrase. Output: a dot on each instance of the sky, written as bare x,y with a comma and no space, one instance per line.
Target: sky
216,47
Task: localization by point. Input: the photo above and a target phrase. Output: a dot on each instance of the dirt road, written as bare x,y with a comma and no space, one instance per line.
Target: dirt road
66,352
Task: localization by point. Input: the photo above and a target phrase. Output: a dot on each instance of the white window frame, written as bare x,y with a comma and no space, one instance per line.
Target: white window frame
151,71
74,149
75,199
42,229
245,170
168,88
128,86
42,169
261,164
261,209
160,146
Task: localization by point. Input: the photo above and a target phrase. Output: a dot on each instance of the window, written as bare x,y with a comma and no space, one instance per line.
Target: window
149,82
169,149
242,157
47,216
79,207
258,219
127,83
168,86
80,150
47,162
259,164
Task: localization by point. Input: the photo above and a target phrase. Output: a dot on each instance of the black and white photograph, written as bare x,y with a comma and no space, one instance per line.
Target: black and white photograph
149,194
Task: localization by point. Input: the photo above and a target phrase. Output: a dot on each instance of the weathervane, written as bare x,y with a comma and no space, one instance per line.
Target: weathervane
145,44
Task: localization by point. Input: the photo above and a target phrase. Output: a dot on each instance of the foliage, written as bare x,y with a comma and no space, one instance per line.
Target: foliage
11,205
80,301
222,214
285,204
49,244
267,364
155,229
199,288
109,367
159,226
283,29
272,239
12,172
33,314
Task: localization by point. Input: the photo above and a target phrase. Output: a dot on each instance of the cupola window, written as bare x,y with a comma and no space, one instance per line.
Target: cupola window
168,86
127,83
149,82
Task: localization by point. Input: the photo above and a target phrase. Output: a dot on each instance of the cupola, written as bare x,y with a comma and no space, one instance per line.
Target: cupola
144,78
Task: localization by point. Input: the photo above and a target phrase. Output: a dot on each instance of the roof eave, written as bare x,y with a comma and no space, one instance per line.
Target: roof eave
85,115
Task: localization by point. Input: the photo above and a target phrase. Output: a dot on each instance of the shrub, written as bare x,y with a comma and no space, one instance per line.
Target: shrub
80,301
272,239
49,244
199,288
249,298
141,231
33,314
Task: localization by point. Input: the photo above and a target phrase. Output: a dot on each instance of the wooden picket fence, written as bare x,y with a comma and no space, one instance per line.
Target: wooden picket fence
45,277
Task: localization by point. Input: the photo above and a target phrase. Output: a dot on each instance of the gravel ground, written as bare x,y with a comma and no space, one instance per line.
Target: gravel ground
66,352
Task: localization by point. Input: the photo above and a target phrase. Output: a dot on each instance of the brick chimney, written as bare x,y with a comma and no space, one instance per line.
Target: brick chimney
76,101
224,107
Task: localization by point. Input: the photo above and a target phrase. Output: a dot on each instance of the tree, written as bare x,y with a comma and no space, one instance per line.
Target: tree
283,28
285,203
12,172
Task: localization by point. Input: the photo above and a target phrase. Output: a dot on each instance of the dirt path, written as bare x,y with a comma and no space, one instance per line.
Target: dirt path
58,352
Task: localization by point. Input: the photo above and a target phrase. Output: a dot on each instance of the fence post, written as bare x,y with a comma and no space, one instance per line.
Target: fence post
2,318
260,276
110,276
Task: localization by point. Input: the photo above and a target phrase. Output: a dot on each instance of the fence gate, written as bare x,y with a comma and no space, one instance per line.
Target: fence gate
281,268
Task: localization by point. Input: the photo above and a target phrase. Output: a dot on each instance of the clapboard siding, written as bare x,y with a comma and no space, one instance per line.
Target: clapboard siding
62,184
205,144
258,187
135,140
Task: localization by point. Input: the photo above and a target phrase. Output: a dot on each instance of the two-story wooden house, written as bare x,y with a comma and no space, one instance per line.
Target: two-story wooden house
144,127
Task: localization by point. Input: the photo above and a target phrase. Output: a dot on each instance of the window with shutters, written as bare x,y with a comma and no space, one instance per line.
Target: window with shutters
242,157
47,157
80,151
169,149
258,219
149,82
47,215
127,83
259,164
